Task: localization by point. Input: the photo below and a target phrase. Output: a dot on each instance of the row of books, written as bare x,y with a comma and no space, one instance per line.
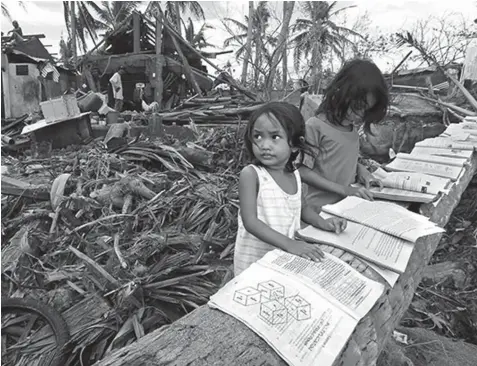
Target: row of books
431,168
383,233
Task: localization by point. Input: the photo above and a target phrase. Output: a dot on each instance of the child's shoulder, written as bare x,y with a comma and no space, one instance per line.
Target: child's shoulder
249,171
317,119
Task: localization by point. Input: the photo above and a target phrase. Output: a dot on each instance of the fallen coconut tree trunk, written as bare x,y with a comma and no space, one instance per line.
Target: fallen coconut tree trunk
210,337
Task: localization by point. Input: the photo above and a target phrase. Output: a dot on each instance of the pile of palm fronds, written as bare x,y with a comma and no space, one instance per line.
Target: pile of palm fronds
120,249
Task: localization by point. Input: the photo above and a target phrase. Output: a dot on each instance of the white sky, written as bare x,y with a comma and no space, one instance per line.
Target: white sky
47,17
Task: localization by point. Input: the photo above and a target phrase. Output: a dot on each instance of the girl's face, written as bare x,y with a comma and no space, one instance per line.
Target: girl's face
356,115
270,142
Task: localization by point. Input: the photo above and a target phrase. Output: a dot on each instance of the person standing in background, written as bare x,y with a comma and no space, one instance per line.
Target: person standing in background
117,87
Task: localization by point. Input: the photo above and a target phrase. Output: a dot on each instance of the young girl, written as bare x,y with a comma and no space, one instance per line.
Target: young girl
358,93
270,188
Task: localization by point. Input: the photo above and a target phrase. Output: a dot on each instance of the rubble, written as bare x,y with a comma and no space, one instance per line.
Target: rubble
122,241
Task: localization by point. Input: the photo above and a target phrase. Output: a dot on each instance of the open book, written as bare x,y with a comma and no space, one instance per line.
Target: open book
451,153
454,161
412,181
384,216
380,248
438,170
461,128
304,310
445,143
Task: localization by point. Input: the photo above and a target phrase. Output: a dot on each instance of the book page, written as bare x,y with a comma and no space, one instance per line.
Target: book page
444,143
297,322
383,249
394,194
385,217
452,153
389,276
412,181
335,280
460,128
433,159
439,170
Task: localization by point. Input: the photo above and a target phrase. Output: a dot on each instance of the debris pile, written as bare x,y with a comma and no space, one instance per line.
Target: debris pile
121,241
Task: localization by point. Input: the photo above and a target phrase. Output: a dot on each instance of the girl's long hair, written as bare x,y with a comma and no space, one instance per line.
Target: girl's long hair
348,90
292,121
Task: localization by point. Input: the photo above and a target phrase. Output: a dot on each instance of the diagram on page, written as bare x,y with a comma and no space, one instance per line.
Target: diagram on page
274,307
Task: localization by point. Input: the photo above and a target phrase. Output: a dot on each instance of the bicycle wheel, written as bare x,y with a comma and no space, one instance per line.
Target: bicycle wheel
32,333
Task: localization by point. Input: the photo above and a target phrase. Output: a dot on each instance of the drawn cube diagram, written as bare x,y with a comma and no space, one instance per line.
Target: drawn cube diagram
247,296
273,312
271,290
298,308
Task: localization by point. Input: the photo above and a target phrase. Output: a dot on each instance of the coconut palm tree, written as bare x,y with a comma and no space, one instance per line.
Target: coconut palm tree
197,40
6,10
260,38
85,24
317,35
111,14
173,9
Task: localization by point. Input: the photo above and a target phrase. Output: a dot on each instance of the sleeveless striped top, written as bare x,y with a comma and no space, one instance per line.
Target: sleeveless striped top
279,210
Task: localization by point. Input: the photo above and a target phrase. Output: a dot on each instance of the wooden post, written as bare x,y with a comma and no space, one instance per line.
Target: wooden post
156,128
189,74
136,32
159,61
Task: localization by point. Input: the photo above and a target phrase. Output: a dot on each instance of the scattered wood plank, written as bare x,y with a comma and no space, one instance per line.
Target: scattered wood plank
15,187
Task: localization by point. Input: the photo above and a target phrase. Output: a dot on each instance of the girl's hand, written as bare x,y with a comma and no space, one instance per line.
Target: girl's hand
367,180
335,224
359,192
306,250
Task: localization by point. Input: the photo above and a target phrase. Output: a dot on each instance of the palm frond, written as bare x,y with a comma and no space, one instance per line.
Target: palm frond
236,38
5,11
242,27
196,9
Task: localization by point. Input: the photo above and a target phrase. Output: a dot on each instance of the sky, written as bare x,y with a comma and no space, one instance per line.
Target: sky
47,17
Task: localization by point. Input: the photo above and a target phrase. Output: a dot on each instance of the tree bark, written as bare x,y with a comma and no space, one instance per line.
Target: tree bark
282,41
285,55
159,84
210,337
73,32
248,47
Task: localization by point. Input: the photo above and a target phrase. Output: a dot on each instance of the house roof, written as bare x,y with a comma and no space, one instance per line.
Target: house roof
32,47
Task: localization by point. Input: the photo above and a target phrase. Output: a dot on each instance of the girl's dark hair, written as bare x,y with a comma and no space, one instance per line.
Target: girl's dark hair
292,121
349,89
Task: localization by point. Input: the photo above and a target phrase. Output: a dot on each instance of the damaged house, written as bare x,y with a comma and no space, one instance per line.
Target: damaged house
133,46
30,76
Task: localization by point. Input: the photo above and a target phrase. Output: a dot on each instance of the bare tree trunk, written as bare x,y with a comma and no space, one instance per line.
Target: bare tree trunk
282,40
248,47
73,32
316,69
256,63
159,61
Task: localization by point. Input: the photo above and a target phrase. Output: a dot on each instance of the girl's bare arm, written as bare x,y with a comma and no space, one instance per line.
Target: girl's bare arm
248,185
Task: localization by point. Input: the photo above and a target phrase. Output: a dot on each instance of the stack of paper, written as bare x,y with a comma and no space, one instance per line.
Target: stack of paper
304,310
439,170
409,186
379,232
